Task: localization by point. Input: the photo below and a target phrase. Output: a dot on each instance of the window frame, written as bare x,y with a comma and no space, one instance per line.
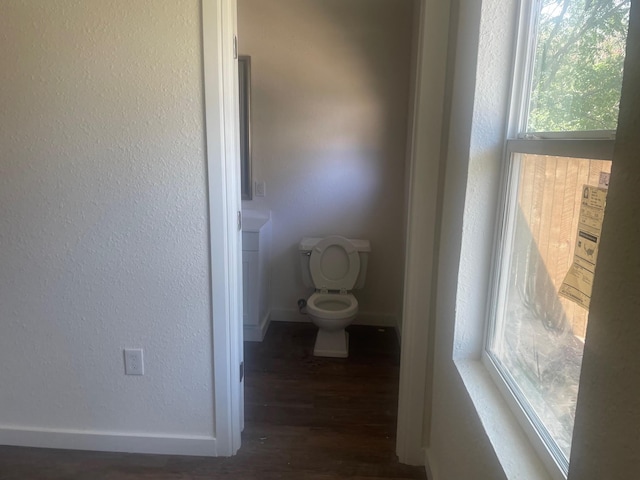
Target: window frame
595,145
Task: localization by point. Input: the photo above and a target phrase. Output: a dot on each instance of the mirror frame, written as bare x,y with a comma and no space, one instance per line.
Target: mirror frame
244,90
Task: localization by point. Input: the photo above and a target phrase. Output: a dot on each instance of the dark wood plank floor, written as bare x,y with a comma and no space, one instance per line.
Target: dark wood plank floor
306,418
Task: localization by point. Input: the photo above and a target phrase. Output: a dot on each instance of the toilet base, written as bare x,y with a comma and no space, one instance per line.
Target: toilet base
332,344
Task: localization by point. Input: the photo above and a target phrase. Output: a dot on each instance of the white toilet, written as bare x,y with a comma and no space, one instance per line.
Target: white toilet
333,265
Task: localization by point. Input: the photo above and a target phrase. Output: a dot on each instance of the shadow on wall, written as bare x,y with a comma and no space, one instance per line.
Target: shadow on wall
330,82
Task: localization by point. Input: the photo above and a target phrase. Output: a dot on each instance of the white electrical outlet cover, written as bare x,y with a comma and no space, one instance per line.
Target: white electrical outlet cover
133,361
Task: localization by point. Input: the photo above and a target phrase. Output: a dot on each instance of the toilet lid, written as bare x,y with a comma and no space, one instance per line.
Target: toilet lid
334,264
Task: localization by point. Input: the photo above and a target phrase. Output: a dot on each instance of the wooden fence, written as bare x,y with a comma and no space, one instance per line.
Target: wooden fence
549,197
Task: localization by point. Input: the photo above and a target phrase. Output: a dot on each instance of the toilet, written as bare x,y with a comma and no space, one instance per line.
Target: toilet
333,266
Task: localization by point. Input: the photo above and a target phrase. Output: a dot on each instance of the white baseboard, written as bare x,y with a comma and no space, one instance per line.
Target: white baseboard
256,333
363,318
109,442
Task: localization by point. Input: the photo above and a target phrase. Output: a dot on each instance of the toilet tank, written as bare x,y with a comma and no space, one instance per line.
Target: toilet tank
363,247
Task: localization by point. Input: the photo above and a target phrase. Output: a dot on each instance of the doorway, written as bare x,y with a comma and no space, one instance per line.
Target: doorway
424,148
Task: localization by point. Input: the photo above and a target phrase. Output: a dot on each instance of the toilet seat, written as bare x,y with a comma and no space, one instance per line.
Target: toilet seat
334,264
332,306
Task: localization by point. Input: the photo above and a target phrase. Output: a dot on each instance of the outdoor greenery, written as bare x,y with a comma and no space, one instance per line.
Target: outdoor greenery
578,65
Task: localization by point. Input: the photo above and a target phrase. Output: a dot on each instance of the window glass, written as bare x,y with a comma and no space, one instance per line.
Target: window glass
539,334
577,73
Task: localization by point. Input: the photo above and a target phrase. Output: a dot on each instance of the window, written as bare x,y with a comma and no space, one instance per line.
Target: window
564,115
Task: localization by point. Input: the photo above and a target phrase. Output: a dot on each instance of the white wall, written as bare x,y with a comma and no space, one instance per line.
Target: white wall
472,432
457,444
605,440
103,220
330,82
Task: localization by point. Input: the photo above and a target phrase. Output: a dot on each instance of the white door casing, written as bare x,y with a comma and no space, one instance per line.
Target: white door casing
223,177
414,402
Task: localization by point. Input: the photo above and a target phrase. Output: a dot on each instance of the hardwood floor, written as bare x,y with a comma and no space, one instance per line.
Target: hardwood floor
305,418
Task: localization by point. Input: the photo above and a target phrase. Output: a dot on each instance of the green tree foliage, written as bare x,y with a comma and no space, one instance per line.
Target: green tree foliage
579,60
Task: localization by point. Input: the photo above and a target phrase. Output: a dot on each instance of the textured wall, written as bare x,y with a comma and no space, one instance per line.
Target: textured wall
330,81
473,433
103,227
607,428
458,445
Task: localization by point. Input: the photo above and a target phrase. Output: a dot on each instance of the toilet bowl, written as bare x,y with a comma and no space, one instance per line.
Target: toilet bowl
331,313
333,266
332,309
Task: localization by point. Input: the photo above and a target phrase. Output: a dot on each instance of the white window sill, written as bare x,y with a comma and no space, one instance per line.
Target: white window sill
515,452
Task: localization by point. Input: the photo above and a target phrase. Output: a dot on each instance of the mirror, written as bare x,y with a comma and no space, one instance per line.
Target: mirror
244,80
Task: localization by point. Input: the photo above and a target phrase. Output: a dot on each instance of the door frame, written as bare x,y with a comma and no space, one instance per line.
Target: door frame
426,175
219,22
223,181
